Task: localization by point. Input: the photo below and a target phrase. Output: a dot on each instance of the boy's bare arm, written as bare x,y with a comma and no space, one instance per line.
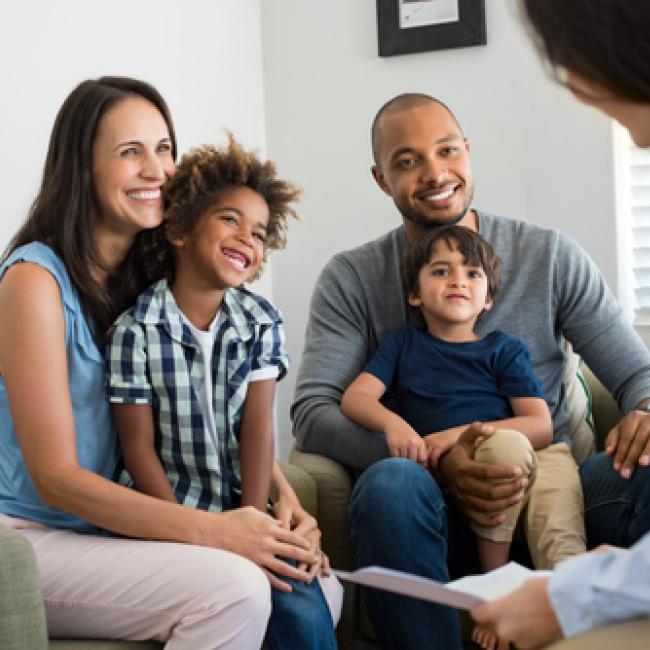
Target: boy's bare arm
257,443
532,418
136,431
361,404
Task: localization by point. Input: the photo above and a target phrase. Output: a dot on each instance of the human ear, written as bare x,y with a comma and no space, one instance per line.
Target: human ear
488,303
466,143
177,241
414,300
380,180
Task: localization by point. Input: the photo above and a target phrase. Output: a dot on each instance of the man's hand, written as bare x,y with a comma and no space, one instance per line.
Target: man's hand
629,443
524,617
404,442
481,491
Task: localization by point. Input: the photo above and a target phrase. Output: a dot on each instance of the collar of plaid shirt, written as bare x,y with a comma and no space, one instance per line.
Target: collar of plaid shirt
162,308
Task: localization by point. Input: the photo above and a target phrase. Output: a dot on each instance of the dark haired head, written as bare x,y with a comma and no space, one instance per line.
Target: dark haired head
203,176
606,42
398,104
64,212
476,251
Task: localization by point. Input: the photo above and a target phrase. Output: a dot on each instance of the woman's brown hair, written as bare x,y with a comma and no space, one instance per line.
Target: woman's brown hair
64,213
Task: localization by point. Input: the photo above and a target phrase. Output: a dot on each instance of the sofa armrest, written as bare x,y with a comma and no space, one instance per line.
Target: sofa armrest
22,616
334,486
603,407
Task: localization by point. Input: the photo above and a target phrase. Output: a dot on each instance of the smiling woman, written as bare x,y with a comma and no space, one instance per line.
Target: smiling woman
66,212
132,158
69,272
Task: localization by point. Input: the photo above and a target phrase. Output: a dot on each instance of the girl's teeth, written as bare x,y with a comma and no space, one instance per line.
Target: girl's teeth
236,260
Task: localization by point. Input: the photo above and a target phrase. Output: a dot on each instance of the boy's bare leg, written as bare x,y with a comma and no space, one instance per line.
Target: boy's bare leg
492,554
503,447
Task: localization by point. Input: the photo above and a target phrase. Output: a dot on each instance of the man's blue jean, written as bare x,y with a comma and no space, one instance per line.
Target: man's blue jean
300,619
399,519
617,510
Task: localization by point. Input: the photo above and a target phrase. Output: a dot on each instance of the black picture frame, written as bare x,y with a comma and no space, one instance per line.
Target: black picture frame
467,31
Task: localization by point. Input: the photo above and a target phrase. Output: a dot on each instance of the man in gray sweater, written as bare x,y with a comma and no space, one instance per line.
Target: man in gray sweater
401,515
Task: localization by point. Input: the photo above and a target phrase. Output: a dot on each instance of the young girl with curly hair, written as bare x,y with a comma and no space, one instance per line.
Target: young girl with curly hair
192,367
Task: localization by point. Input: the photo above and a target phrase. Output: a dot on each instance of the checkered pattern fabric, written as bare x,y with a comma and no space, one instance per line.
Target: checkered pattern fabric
153,358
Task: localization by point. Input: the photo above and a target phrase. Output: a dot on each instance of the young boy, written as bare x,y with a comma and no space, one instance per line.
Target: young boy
193,365
444,377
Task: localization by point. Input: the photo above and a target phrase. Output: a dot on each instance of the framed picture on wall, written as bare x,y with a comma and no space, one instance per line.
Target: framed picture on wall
407,26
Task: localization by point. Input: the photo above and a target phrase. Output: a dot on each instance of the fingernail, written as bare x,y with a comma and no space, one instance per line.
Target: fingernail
517,471
626,473
617,466
644,460
524,482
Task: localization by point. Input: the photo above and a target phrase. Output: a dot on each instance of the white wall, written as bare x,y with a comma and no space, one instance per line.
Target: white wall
536,153
205,58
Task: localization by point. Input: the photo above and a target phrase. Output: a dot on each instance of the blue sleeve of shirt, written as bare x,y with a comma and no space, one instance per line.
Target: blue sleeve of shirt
515,373
126,364
595,589
383,364
270,349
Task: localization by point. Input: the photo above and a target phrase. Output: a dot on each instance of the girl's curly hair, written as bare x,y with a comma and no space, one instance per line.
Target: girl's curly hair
202,177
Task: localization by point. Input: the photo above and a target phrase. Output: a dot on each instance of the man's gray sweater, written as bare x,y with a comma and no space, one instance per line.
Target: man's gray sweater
550,289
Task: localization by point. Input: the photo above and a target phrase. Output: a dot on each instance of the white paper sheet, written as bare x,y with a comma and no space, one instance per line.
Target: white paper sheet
464,593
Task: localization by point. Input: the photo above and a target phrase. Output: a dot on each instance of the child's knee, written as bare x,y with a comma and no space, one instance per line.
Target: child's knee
305,613
508,447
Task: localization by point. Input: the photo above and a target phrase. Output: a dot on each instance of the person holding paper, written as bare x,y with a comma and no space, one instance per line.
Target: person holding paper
600,49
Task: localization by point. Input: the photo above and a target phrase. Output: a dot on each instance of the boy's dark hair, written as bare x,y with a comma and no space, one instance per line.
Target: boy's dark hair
64,213
204,175
603,41
476,251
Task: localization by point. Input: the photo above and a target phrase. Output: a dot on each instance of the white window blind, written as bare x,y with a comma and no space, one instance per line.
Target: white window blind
639,175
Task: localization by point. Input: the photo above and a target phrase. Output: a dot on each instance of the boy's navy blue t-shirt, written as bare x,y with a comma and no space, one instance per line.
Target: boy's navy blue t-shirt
437,384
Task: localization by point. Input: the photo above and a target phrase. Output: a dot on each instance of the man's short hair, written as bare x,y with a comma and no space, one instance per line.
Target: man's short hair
398,104
476,251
